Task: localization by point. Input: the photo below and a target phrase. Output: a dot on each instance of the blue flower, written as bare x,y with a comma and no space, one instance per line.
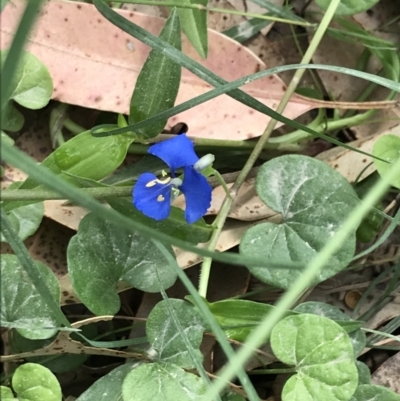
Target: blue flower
153,196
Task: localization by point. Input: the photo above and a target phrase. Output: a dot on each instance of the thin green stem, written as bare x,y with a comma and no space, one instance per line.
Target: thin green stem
226,205
272,371
45,194
218,10
73,126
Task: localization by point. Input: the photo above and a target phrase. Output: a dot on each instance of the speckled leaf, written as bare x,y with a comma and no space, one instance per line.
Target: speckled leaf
165,338
314,200
322,354
158,82
101,254
349,7
33,382
387,148
357,337
25,219
22,306
32,85
108,387
369,392
162,381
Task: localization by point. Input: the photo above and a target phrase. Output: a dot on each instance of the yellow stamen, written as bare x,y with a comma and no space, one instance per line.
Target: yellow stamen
160,198
157,181
151,184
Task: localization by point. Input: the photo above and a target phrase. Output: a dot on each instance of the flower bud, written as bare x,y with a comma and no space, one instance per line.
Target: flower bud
204,162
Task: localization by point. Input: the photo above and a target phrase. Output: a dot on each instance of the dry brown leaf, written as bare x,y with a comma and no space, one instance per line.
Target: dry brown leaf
100,72
388,374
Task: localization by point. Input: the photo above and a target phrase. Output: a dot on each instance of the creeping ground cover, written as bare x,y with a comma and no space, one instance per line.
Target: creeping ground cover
200,200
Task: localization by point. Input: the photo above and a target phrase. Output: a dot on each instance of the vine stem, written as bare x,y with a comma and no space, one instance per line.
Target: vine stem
227,203
219,10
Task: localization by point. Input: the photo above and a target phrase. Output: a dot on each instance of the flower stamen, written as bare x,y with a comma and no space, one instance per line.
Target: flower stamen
160,198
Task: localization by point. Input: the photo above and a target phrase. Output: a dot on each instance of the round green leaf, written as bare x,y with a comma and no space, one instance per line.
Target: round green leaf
13,119
165,338
357,337
387,147
32,85
101,254
162,381
25,219
314,201
364,374
108,387
6,394
22,306
323,356
369,392
33,382
349,7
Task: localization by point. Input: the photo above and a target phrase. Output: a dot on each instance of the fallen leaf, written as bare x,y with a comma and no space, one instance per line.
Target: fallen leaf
388,373
100,73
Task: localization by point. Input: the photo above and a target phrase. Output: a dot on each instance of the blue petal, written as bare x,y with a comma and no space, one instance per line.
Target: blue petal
153,201
176,152
197,193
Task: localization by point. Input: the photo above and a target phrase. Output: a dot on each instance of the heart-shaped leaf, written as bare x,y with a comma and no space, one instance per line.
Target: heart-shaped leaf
322,354
175,225
33,382
357,337
109,386
163,334
314,201
387,147
162,381
369,392
25,219
22,306
154,93
101,254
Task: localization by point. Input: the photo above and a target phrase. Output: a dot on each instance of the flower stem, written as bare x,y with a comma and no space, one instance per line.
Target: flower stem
226,205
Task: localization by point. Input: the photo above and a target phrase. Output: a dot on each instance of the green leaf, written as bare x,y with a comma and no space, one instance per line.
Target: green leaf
83,156
109,386
194,24
33,382
369,392
349,7
162,381
32,85
247,29
314,201
231,396
158,83
6,394
364,375
357,337
387,147
242,313
322,354
175,225
164,336
25,219
13,120
372,223
101,254
22,306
